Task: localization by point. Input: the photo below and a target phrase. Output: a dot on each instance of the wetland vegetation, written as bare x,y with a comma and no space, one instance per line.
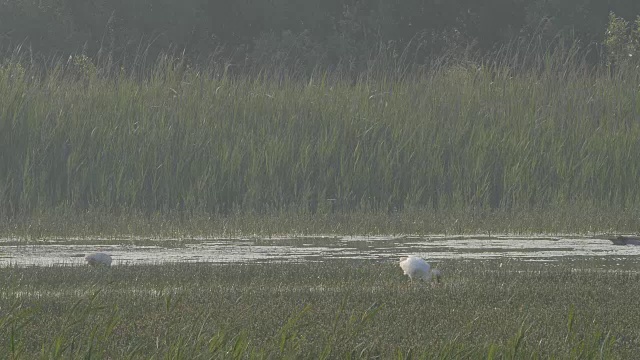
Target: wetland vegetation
467,147
526,134
334,309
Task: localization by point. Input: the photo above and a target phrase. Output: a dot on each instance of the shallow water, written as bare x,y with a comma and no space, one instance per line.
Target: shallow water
316,248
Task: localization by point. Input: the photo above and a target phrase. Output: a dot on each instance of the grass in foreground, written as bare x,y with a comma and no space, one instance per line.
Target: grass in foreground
321,310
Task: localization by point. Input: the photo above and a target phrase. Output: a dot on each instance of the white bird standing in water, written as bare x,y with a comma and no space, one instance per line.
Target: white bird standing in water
417,268
98,258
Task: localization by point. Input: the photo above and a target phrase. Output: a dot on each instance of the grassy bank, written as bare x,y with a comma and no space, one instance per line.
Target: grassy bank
475,138
586,220
337,309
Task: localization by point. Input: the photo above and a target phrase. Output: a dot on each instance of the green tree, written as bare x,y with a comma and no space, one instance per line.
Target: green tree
622,41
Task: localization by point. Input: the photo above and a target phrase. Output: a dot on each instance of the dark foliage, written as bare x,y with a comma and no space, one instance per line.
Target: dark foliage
299,34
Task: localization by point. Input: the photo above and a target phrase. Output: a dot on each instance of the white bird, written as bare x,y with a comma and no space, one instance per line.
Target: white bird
98,258
417,268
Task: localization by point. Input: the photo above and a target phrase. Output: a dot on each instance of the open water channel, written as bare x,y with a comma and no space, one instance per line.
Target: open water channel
317,248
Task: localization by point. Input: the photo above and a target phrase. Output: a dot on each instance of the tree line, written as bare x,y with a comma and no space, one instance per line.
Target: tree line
298,34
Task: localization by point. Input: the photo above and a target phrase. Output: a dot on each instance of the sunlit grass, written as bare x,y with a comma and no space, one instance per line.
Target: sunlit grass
331,309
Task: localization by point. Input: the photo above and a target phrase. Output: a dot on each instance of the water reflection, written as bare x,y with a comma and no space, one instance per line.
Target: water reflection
323,248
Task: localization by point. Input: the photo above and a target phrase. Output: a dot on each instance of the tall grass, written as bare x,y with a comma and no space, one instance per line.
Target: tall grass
484,135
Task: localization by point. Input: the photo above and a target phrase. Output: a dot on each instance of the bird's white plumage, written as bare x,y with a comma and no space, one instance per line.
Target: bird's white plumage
418,269
98,258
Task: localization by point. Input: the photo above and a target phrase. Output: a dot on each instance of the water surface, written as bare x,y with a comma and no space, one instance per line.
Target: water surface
314,248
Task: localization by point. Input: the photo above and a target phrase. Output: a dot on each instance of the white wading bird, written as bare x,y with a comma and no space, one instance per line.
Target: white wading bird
98,258
417,268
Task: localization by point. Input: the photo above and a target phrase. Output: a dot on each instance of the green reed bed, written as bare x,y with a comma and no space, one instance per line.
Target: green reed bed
329,310
64,223
458,139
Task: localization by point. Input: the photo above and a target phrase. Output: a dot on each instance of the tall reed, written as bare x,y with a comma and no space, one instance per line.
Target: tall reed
484,135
